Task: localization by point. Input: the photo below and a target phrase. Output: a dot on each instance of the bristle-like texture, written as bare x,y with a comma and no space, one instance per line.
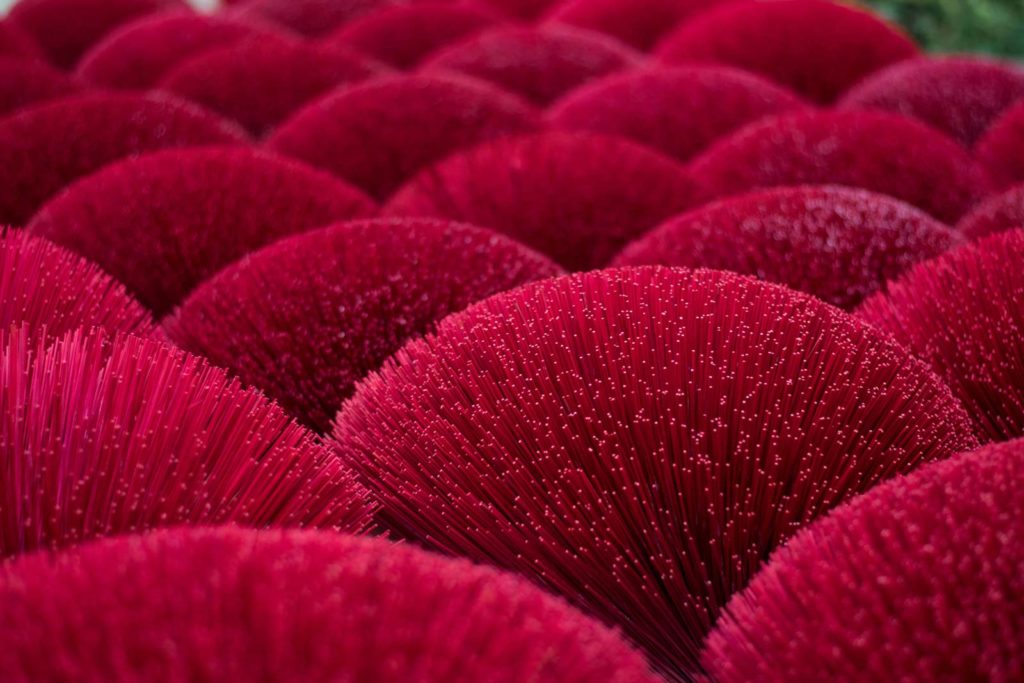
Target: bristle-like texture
640,23
227,604
308,317
65,29
139,54
521,9
376,135
49,145
540,64
677,111
260,82
404,34
962,314
639,440
839,244
166,221
105,435
959,95
919,580
876,151
308,17
24,82
1001,149
14,42
997,214
51,291
577,197
817,47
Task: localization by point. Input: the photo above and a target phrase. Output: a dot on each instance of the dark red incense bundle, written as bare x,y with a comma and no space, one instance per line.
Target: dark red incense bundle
640,23
49,145
402,35
577,197
164,222
958,95
639,440
876,151
818,48
51,291
677,111
65,29
260,82
24,82
1001,149
522,9
105,435
839,244
14,42
139,54
996,214
538,63
962,314
308,17
919,580
376,135
308,317
230,604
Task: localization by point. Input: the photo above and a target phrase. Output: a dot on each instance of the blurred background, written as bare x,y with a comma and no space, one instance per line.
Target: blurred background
202,4
991,26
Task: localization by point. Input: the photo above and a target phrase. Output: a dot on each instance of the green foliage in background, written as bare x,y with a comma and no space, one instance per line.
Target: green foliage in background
991,26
